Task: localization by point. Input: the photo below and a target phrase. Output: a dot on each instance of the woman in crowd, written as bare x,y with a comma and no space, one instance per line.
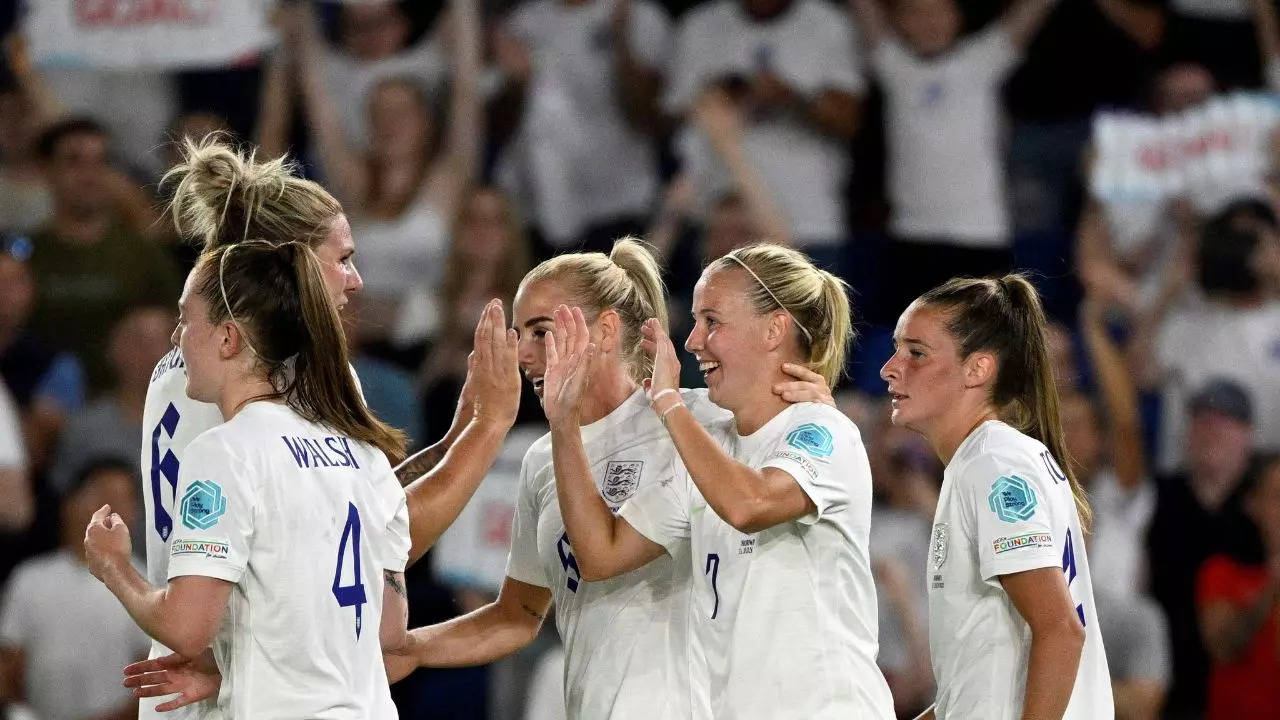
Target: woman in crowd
1013,629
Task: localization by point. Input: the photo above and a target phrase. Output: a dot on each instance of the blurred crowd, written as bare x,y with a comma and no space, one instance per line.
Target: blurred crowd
1125,151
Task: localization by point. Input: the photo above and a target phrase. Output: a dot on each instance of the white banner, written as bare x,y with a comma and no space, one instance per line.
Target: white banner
146,34
1208,155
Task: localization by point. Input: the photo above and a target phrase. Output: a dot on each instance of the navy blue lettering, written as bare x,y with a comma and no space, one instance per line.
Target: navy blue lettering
298,449
347,444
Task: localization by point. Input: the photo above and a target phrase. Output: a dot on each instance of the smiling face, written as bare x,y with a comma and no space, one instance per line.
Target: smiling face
926,375
732,343
337,262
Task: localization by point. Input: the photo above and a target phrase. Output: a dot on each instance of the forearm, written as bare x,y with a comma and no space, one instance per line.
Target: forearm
148,607
588,520
734,491
832,112
1143,23
490,633
1268,28
637,88
1051,672
466,122
275,114
1120,400
1241,627
17,503
1024,19
435,499
771,221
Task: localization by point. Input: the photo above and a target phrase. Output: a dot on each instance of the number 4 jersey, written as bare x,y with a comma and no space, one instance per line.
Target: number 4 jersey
1005,507
304,521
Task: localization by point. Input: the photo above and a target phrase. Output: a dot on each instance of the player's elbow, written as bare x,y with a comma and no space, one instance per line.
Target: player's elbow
1065,633
189,642
749,516
598,568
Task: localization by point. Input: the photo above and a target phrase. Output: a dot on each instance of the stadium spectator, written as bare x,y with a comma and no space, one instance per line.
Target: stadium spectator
404,187
1199,513
793,68
488,256
943,118
591,81
47,384
1267,25
1239,608
52,607
1124,243
1218,34
1136,637
110,425
1179,343
16,504
88,264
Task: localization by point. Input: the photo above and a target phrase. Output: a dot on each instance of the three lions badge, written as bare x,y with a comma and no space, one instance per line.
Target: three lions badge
621,478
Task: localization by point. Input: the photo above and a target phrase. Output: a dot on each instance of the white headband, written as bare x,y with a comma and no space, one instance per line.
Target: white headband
738,260
222,286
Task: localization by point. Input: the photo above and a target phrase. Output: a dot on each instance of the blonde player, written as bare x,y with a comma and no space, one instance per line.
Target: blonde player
222,196
775,503
626,641
1013,630
292,531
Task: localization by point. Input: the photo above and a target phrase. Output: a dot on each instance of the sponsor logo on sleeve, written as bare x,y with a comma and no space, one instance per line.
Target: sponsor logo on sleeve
621,479
1012,499
1018,542
203,505
798,459
811,438
208,549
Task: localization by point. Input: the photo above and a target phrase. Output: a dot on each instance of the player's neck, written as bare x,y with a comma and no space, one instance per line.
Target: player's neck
954,430
238,394
607,396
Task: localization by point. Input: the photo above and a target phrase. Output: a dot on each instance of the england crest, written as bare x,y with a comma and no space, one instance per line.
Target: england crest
621,478
938,545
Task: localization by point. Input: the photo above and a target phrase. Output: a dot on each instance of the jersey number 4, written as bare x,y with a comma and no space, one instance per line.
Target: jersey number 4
353,594
165,466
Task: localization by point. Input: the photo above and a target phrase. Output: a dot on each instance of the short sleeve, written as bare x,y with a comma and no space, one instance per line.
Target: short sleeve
889,59
650,35
1012,504
842,69
990,53
216,512
397,541
660,511
822,451
522,562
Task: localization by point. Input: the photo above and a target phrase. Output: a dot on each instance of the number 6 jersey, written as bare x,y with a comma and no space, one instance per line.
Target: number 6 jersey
303,521
1005,507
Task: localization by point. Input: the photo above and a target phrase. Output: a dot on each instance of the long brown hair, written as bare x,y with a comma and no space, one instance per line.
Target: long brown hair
224,196
1005,316
276,296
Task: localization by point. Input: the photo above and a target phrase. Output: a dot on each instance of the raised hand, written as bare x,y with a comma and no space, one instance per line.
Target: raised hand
171,674
106,542
494,376
569,353
808,386
655,343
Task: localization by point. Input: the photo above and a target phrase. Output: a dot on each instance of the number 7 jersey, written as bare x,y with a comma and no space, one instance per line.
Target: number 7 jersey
1005,507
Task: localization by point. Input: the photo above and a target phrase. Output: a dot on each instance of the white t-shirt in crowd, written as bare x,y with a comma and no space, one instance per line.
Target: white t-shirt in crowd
403,260
1204,340
1121,517
811,47
350,81
943,118
1005,507
579,160
170,421
75,636
303,521
472,553
13,453
626,639
785,617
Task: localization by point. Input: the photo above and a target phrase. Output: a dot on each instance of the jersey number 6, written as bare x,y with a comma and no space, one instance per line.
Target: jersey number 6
348,595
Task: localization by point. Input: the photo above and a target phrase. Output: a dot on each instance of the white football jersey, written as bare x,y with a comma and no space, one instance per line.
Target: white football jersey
304,521
786,617
626,639
170,421
1005,507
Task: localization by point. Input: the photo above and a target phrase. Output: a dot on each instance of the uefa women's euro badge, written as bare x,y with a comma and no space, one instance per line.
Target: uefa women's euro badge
1012,499
203,505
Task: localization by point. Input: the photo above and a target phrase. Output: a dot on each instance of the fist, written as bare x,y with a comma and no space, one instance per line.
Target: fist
106,542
